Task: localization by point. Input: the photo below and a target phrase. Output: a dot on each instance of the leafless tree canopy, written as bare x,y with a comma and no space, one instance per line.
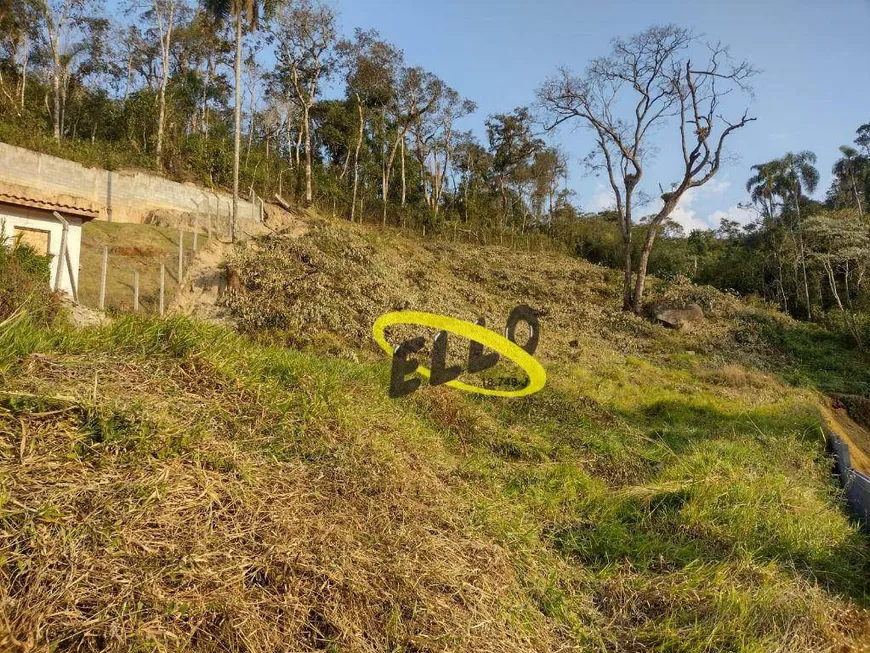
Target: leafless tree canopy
663,78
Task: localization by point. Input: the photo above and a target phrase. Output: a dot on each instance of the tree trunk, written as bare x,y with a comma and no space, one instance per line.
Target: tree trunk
64,88
803,256
24,69
165,44
854,190
345,166
848,318
782,285
208,77
55,82
129,76
465,196
403,171
298,147
237,118
388,168
626,270
637,304
309,196
356,158
503,201
161,118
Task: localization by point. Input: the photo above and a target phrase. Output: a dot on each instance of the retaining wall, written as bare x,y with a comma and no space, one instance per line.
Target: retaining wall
122,196
856,484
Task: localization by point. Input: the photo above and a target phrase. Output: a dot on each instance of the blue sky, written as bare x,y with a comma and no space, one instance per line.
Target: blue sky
813,93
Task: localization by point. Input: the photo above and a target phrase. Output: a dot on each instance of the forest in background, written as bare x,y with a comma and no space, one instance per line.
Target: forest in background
270,98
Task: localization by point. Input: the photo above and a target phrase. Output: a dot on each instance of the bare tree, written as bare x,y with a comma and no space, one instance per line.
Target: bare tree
648,82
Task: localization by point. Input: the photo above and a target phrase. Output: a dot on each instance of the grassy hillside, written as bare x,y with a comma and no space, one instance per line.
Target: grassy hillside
175,486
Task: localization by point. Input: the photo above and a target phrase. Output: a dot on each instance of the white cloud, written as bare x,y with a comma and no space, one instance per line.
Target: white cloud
686,213
602,200
739,214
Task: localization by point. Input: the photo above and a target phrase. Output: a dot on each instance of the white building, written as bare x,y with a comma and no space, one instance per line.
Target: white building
51,227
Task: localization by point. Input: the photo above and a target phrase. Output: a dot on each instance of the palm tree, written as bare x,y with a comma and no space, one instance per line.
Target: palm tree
250,9
848,167
798,173
763,186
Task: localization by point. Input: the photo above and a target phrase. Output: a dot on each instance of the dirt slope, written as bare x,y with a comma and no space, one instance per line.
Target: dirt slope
205,281
852,433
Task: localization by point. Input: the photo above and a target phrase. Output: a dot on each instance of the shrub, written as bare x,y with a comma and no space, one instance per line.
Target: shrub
24,282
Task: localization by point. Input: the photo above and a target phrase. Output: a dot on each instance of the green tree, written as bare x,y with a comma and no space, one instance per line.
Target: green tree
240,12
372,66
305,32
512,145
838,241
797,173
763,188
850,170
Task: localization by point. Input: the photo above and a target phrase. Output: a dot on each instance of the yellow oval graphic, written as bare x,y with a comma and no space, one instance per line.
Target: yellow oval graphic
533,369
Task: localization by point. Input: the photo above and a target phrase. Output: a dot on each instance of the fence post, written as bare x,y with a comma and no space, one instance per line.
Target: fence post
162,286
135,291
180,254
103,278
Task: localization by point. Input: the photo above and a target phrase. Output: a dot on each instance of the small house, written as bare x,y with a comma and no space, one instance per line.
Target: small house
51,226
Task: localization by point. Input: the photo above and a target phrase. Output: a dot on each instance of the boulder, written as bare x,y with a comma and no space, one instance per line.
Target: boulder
679,318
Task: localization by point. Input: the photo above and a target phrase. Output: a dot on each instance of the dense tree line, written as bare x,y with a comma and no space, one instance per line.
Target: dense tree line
269,97
346,122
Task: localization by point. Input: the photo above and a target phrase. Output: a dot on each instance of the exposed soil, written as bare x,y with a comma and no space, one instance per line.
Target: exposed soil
852,433
205,280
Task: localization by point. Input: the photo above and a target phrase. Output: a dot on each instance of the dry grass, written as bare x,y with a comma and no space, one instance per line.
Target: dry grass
169,485
131,247
213,515
737,376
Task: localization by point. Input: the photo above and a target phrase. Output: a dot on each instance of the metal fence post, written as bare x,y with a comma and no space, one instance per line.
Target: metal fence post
180,254
135,291
162,286
103,271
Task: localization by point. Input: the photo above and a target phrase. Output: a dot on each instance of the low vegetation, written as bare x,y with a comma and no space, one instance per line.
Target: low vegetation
25,277
171,485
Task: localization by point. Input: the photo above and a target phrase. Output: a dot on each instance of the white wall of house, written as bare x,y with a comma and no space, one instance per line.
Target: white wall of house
37,221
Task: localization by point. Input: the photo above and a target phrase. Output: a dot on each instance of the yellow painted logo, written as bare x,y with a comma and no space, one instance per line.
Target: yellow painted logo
479,337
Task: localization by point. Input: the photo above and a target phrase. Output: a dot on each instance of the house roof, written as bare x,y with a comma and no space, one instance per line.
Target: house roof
65,204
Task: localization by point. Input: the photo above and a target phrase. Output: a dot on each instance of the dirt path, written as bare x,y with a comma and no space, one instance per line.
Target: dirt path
205,280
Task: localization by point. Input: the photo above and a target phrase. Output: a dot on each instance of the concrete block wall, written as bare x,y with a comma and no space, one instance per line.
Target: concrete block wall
123,196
